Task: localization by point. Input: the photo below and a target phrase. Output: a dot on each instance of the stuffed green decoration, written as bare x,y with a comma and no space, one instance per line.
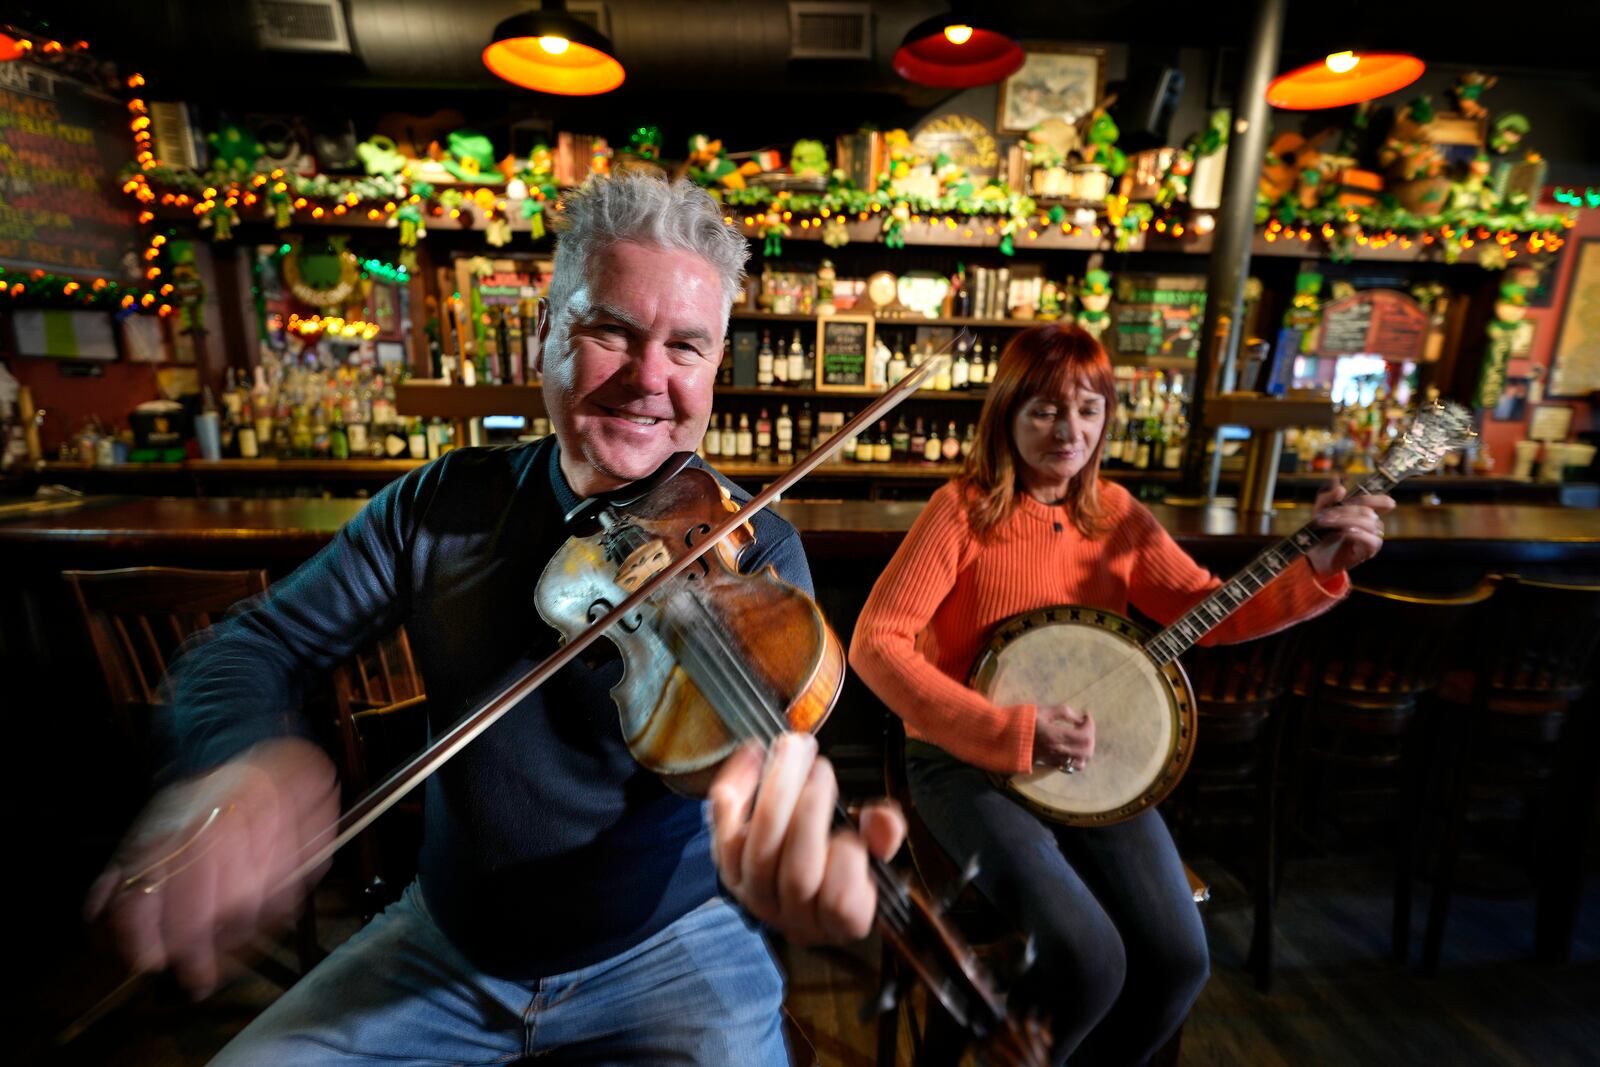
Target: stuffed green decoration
645,142
894,225
1094,296
234,148
809,159
1508,130
1101,145
1305,310
709,166
471,156
412,228
1503,331
533,211
1419,111
379,155
190,291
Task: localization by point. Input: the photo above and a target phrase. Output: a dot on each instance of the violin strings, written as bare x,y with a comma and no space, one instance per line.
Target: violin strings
750,704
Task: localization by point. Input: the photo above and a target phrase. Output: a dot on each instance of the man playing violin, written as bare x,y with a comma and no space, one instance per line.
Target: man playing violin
568,903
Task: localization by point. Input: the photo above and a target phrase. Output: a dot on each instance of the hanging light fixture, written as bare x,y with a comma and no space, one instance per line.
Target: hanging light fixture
1342,78
958,50
552,52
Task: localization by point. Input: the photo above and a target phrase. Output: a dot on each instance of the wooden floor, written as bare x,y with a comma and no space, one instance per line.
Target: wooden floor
1337,999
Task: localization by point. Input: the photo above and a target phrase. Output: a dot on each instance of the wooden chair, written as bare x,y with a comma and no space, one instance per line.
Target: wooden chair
1515,737
1238,748
137,619
1376,656
940,1041
381,716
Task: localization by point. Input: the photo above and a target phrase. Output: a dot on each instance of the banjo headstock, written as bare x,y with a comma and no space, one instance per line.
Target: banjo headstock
1437,430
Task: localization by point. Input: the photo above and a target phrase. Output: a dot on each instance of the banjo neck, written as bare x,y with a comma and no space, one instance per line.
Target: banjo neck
1231,595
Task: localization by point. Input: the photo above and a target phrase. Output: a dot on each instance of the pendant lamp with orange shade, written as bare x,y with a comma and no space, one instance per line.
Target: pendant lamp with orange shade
552,52
963,48
1341,78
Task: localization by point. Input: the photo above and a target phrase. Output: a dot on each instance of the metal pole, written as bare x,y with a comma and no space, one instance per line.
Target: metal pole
1230,253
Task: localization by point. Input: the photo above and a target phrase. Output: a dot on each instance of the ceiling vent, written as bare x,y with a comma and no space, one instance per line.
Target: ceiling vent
821,30
301,26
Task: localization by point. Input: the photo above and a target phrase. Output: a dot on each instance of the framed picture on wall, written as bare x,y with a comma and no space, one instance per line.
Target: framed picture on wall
1575,360
1054,82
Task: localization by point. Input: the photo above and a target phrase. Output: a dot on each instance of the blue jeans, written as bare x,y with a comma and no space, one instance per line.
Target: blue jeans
1121,950
704,990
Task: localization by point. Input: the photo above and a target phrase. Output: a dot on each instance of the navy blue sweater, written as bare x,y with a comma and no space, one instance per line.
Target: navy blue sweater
546,847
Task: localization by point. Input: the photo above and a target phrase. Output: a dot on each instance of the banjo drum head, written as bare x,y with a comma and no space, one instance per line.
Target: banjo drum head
1093,660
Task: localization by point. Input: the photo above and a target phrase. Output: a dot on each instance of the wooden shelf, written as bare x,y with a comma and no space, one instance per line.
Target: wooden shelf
881,321
781,393
447,400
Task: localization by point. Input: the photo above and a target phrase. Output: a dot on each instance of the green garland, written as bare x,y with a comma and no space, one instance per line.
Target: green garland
36,288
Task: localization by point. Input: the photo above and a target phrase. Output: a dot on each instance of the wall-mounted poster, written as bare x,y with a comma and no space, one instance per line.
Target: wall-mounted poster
1054,82
1575,361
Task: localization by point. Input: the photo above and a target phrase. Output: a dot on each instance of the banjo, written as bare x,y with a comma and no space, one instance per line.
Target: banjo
1131,681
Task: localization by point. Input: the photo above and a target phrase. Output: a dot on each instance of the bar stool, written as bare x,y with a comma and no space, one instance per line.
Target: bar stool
1377,655
1238,750
1519,730
991,935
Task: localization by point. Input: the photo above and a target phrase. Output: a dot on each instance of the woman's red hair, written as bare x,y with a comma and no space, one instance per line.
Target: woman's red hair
1052,361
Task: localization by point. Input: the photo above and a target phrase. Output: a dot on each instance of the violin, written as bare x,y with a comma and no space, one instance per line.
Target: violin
713,658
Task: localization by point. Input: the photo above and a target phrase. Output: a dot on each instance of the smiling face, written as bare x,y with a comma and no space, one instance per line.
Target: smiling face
1055,438
630,361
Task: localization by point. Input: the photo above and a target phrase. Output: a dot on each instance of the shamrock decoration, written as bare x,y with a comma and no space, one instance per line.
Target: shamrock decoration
234,148
380,156
835,234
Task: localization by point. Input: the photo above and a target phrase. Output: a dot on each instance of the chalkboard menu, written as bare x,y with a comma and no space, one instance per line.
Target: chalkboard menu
1157,314
1378,322
61,144
844,349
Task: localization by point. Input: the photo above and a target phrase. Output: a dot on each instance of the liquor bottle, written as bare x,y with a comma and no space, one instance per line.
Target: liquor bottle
969,439
764,360
942,378
489,349
933,447
745,440
725,368
897,366
357,435
900,443
416,440
245,438
803,435
784,429
797,362
338,439
711,446
951,451
883,447
321,438
808,376
961,372
764,437
977,372
919,439
780,368
866,449
962,304
516,349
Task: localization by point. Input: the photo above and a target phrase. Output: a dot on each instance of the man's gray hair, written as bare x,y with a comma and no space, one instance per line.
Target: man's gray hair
645,208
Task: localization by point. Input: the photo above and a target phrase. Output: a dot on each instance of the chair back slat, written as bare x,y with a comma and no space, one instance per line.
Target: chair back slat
138,617
1538,640
1387,645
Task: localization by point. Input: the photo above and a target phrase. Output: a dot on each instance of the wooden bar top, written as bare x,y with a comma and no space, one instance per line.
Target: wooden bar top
106,519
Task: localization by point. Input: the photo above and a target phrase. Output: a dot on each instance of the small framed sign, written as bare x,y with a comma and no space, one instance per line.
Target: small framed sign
1550,422
844,353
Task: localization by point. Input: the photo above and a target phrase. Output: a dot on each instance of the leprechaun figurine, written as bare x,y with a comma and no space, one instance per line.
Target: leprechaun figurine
1093,298
1505,332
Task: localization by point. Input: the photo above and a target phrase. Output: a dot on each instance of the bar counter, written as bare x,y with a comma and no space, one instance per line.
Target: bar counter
277,533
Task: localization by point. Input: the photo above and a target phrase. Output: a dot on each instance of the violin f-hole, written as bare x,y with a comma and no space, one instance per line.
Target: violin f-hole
601,605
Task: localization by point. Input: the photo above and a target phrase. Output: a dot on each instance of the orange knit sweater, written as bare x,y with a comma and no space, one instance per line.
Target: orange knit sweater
944,591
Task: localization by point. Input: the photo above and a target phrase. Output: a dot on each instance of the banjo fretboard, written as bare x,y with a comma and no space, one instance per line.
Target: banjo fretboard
1227,598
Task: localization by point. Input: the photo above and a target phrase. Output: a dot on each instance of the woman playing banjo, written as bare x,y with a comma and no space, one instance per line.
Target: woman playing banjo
1029,524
